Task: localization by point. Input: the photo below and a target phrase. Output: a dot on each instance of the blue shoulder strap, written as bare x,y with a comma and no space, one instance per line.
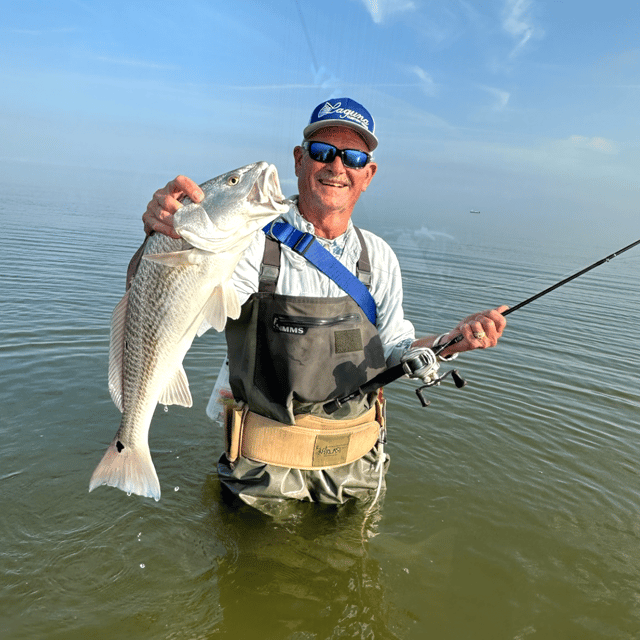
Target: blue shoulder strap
305,244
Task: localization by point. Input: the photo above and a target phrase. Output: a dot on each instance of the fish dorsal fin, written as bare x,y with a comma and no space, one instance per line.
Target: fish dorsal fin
177,390
223,303
116,351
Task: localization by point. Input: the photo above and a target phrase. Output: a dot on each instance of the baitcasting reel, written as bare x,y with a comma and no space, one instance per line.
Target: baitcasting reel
422,363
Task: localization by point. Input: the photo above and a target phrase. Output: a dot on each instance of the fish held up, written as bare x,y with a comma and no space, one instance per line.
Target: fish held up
182,287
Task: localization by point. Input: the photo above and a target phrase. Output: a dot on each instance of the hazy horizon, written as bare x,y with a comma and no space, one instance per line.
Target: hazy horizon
521,109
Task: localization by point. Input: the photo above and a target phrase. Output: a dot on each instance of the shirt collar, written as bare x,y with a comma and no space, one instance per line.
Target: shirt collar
346,245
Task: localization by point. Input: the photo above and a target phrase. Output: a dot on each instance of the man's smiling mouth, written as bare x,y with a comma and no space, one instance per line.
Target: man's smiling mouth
332,183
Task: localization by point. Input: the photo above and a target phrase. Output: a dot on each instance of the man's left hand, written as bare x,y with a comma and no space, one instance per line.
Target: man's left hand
479,330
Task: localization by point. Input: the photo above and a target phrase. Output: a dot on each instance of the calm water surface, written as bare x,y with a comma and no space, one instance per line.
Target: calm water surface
513,505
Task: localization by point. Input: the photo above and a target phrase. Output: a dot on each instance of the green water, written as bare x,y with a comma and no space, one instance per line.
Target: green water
512,508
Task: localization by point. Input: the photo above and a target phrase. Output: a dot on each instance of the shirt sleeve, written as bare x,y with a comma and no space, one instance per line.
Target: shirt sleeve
396,332
246,276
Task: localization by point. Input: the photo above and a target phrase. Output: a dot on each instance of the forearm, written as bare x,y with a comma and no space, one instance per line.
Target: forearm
435,341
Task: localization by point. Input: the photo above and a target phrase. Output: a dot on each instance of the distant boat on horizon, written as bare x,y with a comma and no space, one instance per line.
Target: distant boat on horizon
472,211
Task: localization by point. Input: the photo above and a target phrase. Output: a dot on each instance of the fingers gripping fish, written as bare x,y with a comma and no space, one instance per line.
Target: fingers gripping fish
181,285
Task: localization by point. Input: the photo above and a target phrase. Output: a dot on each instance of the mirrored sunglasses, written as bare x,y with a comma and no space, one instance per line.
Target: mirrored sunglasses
326,153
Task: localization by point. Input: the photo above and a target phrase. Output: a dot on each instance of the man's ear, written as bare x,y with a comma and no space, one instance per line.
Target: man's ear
372,167
298,153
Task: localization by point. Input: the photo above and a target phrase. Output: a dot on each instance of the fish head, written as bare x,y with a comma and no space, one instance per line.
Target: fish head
235,205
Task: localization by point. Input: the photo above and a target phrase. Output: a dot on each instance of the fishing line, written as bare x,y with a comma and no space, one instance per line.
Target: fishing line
308,39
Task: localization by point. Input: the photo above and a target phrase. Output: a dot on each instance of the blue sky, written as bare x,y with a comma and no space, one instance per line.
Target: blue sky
526,110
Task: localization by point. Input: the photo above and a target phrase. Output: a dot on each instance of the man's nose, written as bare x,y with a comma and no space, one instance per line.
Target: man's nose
337,164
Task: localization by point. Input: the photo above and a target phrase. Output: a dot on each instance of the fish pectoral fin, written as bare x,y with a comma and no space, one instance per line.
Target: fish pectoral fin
232,303
223,303
203,328
178,258
116,350
177,390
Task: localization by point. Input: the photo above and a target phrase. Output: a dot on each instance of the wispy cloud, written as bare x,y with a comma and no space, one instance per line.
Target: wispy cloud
519,24
382,9
426,82
324,79
501,97
602,145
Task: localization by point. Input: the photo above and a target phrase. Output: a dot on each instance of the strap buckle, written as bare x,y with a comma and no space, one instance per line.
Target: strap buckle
307,238
269,231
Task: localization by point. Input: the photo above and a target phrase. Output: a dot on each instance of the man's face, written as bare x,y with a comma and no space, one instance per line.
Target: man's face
331,188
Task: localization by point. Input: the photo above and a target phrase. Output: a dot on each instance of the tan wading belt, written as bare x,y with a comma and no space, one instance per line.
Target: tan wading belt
311,443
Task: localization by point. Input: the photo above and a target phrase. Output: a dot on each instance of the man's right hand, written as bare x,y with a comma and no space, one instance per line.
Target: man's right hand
166,201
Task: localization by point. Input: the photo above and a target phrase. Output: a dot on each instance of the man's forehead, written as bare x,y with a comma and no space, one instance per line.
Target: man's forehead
346,135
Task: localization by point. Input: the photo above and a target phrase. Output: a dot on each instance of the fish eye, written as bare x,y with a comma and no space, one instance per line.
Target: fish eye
232,181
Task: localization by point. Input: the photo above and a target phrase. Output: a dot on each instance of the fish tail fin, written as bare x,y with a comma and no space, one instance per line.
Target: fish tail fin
128,468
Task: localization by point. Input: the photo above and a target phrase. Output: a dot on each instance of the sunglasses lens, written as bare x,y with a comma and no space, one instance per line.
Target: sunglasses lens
354,159
323,152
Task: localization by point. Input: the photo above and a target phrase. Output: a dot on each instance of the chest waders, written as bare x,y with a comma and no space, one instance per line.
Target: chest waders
288,356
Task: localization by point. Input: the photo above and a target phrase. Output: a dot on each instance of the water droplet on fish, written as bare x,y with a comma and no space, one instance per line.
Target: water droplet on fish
166,409
128,493
176,488
142,565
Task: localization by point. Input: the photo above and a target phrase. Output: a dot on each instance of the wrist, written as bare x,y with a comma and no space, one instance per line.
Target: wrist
437,342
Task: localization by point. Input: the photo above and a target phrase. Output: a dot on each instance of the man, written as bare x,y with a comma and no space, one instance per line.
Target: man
301,341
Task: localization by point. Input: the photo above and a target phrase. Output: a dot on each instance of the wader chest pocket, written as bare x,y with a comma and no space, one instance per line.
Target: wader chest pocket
301,324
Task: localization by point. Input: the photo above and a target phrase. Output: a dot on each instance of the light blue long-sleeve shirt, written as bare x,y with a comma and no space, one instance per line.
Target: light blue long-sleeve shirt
298,277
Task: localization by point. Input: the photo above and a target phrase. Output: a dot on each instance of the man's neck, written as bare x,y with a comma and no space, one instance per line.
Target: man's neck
329,225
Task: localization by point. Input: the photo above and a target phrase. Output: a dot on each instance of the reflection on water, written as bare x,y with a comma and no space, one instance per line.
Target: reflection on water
511,508
305,571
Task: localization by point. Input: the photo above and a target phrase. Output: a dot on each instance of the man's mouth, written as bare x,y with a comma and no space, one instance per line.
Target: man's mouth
332,183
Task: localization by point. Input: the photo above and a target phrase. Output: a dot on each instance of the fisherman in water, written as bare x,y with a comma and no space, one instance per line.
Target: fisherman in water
301,340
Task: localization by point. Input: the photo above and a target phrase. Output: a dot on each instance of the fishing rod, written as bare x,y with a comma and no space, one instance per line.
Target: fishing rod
573,277
422,362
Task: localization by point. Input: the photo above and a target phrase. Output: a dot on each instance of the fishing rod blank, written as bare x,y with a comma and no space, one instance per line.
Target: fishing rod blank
573,277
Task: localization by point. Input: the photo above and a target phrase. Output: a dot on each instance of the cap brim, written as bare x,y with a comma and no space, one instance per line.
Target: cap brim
369,138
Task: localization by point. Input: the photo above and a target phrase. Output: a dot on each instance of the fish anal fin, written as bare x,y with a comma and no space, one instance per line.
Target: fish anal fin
129,469
177,390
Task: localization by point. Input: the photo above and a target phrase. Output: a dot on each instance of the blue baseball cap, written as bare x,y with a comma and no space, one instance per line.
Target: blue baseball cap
343,112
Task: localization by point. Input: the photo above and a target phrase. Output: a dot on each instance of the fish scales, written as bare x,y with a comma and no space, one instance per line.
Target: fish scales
180,287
